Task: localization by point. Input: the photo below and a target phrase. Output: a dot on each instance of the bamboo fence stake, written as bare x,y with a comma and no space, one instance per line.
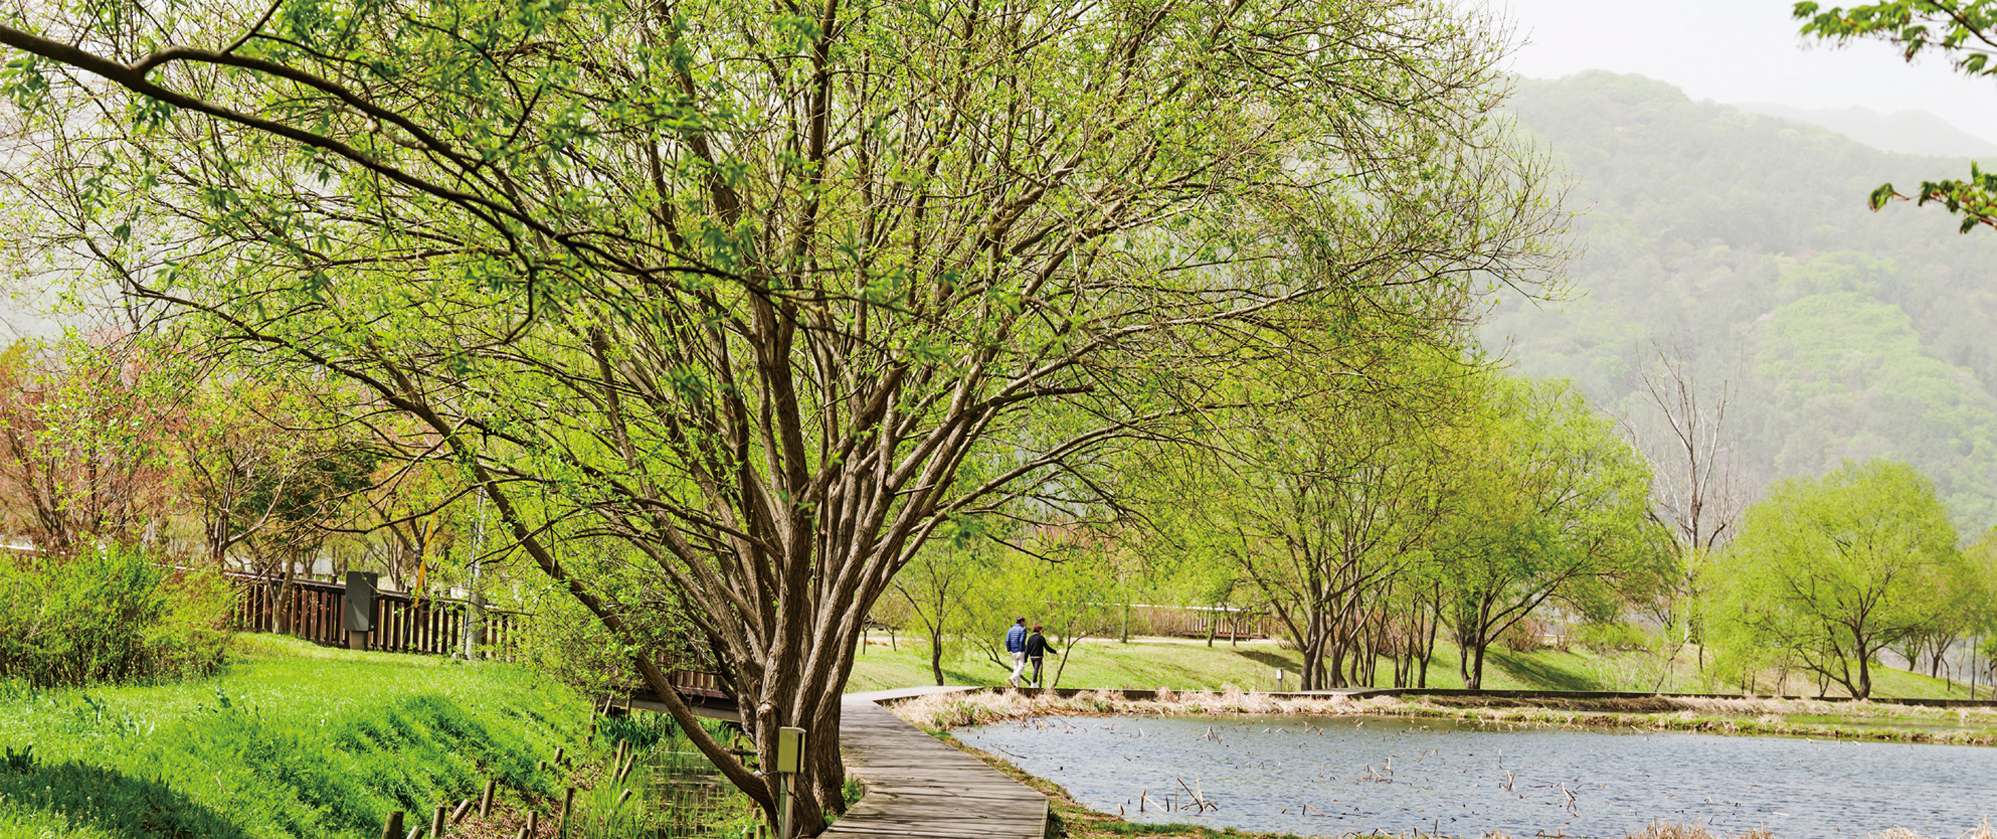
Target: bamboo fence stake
568,800
485,798
437,821
464,807
392,829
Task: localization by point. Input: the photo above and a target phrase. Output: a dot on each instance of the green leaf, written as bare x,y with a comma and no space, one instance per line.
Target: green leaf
1882,195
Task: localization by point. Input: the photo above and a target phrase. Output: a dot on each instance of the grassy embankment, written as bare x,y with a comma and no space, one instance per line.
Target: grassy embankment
294,740
1191,665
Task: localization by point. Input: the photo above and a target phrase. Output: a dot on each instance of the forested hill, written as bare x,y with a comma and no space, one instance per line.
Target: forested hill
1745,240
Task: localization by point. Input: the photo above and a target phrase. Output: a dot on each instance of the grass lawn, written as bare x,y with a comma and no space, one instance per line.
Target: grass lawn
288,740
1188,664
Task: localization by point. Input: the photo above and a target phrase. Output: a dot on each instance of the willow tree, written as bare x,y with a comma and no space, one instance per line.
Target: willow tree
743,286
1553,510
1325,507
1829,571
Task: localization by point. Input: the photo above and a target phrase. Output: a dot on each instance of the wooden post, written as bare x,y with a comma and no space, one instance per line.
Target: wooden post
392,829
485,798
533,823
558,755
568,800
437,822
464,807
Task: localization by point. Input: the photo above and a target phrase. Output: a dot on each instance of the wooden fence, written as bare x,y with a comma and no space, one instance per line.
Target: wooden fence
402,624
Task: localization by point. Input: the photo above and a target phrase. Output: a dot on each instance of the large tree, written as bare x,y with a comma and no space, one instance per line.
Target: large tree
1963,31
741,287
1829,571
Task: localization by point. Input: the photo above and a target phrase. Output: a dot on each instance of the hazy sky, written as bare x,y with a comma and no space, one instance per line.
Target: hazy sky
1739,51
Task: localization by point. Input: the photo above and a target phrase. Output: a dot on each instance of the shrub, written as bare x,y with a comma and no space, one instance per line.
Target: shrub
107,616
1525,635
1605,638
566,641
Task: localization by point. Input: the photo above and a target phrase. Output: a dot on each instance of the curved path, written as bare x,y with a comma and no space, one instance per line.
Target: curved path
918,786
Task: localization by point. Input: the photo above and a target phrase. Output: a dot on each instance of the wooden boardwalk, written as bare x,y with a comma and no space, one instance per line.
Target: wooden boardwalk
918,786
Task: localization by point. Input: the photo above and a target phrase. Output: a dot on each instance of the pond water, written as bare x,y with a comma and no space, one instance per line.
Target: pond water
1335,776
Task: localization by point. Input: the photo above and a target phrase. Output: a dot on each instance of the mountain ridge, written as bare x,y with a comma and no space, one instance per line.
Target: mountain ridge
1743,242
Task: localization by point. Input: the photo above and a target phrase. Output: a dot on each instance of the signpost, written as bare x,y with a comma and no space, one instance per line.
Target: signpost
790,758
357,607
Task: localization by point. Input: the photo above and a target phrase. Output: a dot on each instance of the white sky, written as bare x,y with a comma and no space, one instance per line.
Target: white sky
1739,51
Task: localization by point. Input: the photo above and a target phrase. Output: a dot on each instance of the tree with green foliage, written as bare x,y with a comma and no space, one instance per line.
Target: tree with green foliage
743,287
936,587
1965,31
1826,572
1325,504
1555,509
86,434
1980,621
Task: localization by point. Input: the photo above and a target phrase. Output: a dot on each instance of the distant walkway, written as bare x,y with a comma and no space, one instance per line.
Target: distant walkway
918,786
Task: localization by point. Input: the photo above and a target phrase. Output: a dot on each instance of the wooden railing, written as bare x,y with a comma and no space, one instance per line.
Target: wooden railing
696,683
402,623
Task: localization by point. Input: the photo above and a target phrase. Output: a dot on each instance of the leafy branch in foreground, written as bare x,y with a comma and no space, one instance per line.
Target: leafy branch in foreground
1963,30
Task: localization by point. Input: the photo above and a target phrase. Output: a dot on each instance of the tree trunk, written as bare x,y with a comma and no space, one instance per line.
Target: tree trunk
936,653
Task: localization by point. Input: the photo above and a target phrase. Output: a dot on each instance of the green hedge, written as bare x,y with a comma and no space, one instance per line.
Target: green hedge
109,616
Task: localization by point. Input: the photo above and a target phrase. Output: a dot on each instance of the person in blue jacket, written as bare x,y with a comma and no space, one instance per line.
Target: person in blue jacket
1015,643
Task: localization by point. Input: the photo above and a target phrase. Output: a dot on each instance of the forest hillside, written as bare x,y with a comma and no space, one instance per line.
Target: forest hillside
1742,242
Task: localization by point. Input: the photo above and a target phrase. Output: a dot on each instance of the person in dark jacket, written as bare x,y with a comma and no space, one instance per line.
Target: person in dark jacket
1036,651
1015,643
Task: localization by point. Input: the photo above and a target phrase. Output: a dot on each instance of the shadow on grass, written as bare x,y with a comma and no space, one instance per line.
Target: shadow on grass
1539,674
1268,658
112,802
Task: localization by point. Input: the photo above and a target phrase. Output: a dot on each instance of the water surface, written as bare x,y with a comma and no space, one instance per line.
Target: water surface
1336,776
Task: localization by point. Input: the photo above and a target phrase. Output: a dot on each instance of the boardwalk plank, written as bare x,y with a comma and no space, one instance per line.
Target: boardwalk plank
921,788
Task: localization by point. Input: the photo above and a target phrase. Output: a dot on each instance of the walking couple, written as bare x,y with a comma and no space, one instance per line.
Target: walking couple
1025,648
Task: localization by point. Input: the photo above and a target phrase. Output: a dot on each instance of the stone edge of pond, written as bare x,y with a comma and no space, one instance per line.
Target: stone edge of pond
1580,710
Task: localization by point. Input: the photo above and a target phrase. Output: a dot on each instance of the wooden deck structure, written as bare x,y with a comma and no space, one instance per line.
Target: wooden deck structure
403,622
921,788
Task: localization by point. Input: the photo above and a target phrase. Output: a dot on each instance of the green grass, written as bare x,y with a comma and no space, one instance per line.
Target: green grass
288,740
1145,663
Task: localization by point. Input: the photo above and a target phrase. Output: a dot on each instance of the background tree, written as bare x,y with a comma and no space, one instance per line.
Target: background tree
86,430
743,288
936,588
1965,31
1555,510
1695,481
1327,502
1829,571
